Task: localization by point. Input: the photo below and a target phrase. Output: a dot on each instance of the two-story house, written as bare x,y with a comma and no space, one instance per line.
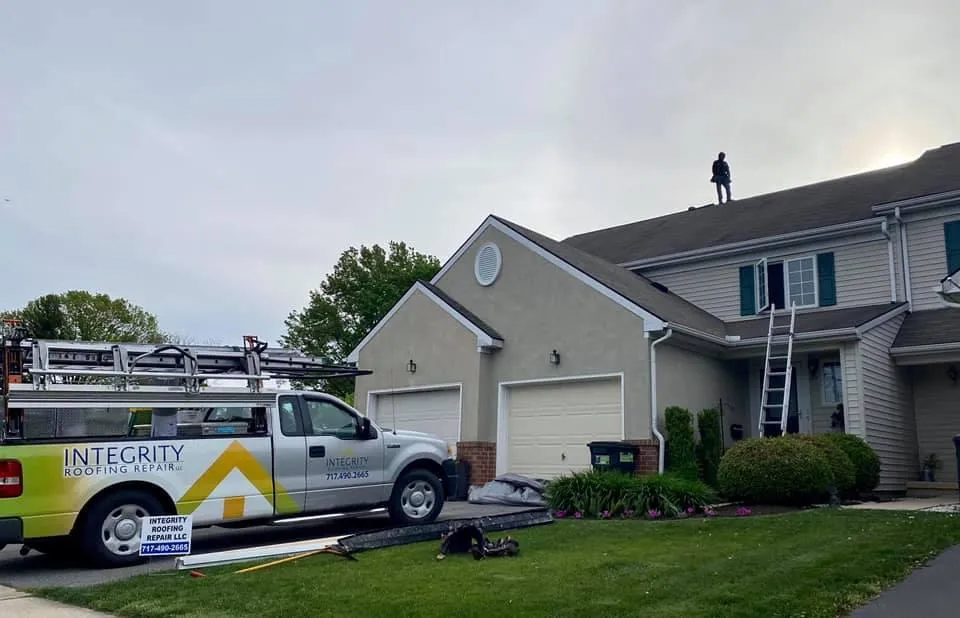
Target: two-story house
523,349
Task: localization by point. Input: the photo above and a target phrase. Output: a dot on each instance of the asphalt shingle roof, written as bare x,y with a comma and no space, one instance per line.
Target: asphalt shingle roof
832,202
929,327
664,304
466,313
814,321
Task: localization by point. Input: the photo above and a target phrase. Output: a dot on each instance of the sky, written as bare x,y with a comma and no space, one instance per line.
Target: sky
210,161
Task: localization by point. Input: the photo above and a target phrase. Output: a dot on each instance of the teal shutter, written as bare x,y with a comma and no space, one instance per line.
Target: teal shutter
826,279
951,240
748,292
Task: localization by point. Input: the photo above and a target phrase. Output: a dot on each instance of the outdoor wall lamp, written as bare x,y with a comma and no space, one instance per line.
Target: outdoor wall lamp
952,373
554,357
813,363
412,366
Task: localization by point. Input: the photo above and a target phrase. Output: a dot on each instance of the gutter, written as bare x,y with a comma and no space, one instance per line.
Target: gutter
931,348
885,230
904,257
653,399
841,229
818,335
918,203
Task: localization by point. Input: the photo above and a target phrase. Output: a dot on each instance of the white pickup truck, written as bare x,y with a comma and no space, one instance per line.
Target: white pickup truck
226,456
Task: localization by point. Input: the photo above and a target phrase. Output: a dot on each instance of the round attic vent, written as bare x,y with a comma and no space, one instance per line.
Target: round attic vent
486,267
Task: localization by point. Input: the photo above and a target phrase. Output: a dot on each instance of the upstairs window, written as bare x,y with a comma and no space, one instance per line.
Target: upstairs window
807,281
951,243
802,282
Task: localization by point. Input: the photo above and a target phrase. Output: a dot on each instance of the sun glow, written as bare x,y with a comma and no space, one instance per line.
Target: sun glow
890,159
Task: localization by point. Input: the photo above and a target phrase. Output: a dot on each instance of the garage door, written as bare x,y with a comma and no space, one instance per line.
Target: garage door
549,425
436,412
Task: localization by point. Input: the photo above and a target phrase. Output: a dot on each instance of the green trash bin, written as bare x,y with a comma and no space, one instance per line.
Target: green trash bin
619,456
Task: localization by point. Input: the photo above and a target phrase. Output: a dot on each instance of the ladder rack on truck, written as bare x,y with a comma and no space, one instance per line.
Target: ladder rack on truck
62,374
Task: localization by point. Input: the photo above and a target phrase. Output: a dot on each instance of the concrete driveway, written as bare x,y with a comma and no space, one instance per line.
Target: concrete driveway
39,570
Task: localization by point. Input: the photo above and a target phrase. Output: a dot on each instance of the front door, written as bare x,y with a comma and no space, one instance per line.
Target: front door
343,471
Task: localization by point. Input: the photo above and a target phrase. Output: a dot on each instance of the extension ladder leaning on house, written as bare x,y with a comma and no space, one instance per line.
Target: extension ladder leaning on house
777,373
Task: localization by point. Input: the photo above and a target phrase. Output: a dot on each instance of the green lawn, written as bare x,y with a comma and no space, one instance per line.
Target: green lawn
813,563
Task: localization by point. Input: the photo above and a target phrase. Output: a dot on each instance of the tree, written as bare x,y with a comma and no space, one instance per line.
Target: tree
364,285
78,315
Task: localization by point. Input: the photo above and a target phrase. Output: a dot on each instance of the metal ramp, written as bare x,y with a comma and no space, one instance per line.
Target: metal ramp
777,373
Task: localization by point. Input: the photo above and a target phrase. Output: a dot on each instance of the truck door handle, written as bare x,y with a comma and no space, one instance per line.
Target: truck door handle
393,446
318,451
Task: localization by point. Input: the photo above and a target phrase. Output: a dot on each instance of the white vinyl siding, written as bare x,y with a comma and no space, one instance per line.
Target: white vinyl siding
861,266
888,407
938,420
853,391
927,253
550,424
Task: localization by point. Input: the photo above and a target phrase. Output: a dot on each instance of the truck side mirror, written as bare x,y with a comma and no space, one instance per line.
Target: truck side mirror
364,428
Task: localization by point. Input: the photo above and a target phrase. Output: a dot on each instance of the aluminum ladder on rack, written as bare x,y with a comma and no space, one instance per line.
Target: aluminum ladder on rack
124,365
777,374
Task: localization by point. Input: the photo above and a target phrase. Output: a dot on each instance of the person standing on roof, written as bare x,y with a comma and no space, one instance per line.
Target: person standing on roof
721,176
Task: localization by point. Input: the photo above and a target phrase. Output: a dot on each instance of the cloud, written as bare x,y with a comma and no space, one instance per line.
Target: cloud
210,160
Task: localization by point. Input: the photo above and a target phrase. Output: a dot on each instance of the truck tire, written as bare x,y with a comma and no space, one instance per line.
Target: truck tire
109,534
417,498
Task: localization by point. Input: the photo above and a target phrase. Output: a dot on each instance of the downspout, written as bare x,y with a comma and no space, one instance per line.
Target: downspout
653,398
904,258
885,230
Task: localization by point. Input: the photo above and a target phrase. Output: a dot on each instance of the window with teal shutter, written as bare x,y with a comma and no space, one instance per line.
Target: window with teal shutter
951,240
826,279
748,304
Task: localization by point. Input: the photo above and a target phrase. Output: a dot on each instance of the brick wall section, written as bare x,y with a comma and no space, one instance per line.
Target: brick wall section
647,462
482,457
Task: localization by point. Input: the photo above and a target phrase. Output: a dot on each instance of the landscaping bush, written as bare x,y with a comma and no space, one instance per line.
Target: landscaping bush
865,461
710,448
775,471
681,444
843,471
615,493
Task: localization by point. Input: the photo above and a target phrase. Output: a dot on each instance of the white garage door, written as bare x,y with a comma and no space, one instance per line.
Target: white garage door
549,425
436,412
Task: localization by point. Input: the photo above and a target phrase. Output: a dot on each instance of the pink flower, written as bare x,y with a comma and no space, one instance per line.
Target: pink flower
743,511
690,510
628,513
578,515
709,512
605,515
560,514
653,513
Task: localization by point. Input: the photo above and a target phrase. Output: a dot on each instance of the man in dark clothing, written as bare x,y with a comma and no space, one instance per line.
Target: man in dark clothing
721,176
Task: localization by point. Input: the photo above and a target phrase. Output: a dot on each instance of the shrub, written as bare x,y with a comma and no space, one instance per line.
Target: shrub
711,444
866,463
841,467
774,471
681,445
595,492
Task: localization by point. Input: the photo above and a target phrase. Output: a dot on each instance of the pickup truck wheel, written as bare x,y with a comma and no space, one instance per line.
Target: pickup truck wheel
417,498
110,532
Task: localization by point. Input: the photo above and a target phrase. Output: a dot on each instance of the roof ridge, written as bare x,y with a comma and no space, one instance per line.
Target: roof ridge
745,201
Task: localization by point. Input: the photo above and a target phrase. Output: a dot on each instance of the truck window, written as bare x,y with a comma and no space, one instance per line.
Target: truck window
289,420
329,419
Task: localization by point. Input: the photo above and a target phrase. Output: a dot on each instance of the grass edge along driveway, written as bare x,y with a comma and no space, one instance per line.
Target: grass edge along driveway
823,562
